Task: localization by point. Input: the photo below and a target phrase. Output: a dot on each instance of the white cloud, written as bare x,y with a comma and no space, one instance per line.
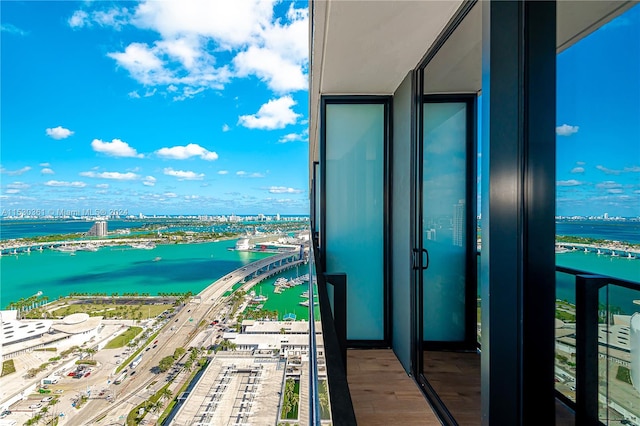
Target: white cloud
609,184
242,173
191,34
149,181
47,171
608,171
566,130
134,95
15,172
102,185
12,191
111,175
115,148
12,29
280,74
225,127
113,17
44,165
570,182
275,114
58,132
79,19
170,194
293,137
284,190
188,93
18,185
577,170
188,151
142,63
59,183
223,172
183,174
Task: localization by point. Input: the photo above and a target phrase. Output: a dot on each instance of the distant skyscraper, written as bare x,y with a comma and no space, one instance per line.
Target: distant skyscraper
458,224
606,215
277,216
99,229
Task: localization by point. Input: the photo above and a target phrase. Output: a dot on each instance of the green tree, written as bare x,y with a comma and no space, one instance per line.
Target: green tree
178,352
165,363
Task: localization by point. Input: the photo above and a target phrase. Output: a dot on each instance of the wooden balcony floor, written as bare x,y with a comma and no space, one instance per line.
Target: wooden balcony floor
383,393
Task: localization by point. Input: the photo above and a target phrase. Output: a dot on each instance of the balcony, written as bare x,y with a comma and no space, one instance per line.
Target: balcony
595,342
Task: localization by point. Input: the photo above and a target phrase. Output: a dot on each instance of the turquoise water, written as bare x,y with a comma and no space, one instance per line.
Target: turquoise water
181,268
288,301
617,267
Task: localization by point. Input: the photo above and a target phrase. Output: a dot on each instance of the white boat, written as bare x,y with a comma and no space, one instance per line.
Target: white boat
306,303
146,246
66,249
280,282
305,294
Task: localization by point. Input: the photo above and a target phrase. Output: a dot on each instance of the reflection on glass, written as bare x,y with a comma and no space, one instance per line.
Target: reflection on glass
444,226
354,211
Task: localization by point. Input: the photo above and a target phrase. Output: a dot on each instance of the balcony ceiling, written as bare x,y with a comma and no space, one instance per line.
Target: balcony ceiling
368,47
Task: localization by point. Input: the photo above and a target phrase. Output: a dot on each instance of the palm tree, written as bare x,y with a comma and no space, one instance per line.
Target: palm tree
166,393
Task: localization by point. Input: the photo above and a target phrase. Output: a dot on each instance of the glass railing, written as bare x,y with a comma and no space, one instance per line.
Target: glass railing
598,346
330,400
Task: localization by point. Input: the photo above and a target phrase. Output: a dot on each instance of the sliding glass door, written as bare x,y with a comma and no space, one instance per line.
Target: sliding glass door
446,237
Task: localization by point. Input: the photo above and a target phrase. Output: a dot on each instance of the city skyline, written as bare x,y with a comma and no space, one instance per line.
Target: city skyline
155,107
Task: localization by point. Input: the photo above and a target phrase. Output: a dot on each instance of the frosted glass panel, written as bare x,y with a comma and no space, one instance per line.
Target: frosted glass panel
401,226
443,226
354,211
318,179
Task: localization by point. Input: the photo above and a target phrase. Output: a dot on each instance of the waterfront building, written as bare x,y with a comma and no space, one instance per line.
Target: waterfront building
398,94
20,336
99,229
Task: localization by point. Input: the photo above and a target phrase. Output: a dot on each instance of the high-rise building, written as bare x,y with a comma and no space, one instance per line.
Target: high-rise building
99,229
458,224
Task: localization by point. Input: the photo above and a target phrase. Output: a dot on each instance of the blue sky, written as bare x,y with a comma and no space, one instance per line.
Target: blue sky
201,107
598,119
155,107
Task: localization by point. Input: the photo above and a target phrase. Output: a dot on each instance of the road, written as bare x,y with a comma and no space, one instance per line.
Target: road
178,331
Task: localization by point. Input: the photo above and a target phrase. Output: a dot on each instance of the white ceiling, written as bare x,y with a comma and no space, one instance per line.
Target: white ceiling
369,46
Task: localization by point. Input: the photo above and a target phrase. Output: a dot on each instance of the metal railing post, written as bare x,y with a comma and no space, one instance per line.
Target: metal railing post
587,289
339,282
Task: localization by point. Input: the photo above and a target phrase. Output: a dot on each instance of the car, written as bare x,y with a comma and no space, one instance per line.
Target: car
155,346
176,319
155,342
4,414
71,373
59,390
132,373
46,399
35,406
87,374
147,349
